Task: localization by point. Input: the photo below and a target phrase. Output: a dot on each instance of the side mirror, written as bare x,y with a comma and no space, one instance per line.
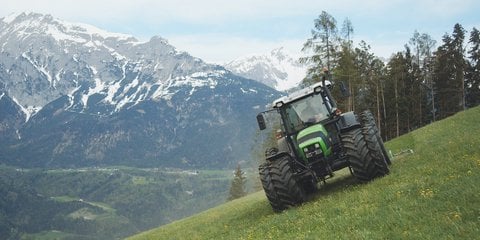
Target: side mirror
261,122
344,90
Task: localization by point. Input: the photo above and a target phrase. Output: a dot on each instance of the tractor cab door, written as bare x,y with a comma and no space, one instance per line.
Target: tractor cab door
294,121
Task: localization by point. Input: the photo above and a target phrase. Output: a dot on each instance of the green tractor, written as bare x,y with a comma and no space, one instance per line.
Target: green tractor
314,139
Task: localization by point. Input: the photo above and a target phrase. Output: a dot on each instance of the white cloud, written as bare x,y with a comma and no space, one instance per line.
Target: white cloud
219,38
211,11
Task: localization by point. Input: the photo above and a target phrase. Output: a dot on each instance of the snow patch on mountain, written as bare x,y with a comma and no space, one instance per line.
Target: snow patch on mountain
60,30
40,68
29,111
99,86
277,69
8,19
196,80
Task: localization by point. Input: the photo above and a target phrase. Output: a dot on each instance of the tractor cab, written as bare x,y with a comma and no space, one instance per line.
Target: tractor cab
302,108
305,117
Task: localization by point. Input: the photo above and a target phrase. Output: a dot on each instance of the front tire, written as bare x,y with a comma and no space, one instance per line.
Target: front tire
280,185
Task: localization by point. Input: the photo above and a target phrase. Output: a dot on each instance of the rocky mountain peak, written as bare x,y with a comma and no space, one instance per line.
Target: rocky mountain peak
44,58
280,54
25,24
277,69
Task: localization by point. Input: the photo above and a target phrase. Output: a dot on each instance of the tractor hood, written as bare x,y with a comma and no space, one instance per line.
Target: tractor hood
314,141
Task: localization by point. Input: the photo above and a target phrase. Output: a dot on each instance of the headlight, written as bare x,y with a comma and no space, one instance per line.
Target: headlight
312,150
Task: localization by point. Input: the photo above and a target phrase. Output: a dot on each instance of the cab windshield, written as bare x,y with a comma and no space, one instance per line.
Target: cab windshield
305,112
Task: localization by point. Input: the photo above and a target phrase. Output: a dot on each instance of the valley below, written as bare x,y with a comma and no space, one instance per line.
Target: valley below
102,203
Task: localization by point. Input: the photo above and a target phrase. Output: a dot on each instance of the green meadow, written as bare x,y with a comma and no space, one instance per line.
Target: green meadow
432,192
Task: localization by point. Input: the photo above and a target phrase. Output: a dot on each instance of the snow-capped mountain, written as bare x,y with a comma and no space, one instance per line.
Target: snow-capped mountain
90,97
276,69
44,58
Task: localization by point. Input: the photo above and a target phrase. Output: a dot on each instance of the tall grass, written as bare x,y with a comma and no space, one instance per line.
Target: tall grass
432,192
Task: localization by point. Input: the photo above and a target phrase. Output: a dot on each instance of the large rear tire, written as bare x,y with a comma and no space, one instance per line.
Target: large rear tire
368,121
366,162
280,185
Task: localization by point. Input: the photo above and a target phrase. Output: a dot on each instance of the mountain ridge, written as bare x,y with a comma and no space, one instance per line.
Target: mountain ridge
94,100
32,31
277,69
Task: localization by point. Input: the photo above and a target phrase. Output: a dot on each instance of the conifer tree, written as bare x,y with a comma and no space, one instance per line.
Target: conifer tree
323,44
345,69
237,188
397,69
460,63
472,75
449,73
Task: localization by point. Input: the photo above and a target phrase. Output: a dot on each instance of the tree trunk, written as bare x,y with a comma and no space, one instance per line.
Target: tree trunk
433,100
378,108
396,107
384,111
349,100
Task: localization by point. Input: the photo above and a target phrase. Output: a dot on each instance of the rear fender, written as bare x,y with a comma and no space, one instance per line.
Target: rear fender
348,121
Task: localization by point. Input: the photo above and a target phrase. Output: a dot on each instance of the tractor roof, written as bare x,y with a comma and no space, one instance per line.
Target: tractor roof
297,94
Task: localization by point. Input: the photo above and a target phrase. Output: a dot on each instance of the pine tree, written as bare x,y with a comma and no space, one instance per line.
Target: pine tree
449,73
237,188
472,75
422,88
345,71
415,96
397,105
460,63
443,72
323,44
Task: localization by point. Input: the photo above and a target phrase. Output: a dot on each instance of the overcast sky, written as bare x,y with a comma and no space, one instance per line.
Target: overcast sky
222,30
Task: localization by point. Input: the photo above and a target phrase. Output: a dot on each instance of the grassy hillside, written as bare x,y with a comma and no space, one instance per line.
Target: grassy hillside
432,193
